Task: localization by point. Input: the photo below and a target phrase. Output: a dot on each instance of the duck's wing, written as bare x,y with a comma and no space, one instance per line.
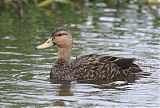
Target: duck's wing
123,63
94,58
103,67
85,59
94,71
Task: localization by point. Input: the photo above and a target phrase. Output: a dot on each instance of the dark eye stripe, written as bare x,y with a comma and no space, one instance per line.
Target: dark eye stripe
62,34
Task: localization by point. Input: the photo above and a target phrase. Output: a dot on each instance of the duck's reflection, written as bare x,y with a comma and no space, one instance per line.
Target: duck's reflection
65,90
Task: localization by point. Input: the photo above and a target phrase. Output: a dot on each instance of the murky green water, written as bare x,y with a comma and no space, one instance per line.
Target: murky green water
127,30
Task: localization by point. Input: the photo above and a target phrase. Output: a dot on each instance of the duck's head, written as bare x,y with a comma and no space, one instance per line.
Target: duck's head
60,37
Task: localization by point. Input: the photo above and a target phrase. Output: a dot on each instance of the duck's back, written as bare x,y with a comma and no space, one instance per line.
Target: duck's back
103,67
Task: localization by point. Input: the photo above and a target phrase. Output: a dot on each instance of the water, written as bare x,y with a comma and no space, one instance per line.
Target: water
127,30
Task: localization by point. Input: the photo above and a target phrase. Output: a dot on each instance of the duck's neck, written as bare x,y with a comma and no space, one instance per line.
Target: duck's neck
64,53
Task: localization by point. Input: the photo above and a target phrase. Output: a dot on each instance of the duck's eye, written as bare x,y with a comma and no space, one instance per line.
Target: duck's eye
59,34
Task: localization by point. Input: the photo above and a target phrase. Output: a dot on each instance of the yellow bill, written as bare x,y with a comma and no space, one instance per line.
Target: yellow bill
47,44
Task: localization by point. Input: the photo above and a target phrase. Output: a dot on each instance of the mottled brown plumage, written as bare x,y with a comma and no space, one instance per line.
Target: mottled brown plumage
91,67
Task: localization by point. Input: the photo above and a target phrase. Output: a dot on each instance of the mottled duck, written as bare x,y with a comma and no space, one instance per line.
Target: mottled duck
92,67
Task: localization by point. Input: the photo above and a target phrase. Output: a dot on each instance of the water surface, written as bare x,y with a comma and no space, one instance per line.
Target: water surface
126,31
